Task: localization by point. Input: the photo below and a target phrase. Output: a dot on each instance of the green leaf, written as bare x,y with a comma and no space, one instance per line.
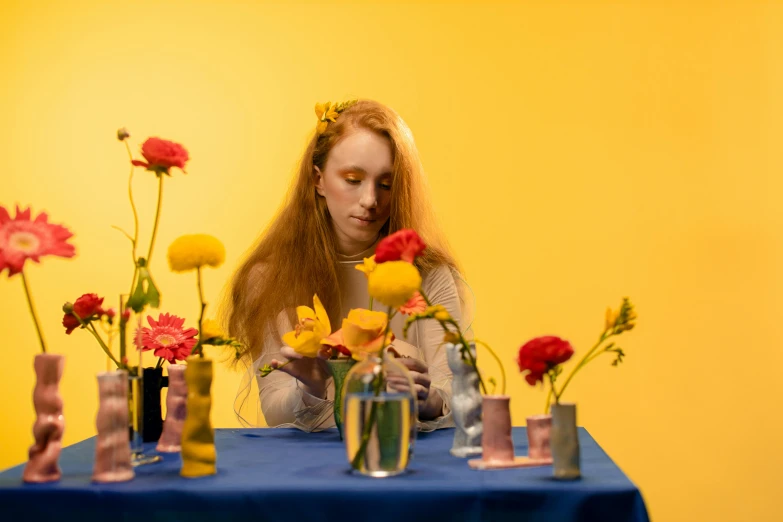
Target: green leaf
145,293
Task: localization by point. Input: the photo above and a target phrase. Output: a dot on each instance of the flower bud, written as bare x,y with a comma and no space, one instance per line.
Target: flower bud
123,134
68,307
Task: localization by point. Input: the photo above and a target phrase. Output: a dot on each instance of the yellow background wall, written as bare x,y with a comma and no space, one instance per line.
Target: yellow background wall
576,153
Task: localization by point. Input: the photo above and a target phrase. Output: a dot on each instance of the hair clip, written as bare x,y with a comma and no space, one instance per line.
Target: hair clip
329,111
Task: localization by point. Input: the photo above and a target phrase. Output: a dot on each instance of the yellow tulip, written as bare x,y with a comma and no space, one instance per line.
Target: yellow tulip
312,327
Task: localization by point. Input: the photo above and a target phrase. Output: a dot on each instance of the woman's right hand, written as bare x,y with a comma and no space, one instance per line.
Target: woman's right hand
312,372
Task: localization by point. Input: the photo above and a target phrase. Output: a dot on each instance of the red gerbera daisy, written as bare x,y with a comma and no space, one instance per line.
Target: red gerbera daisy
168,338
22,238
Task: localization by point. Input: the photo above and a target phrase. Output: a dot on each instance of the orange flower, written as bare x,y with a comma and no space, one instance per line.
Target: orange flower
362,333
415,305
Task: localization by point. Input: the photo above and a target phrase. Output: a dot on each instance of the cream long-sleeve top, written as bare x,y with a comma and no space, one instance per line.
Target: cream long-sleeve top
284,402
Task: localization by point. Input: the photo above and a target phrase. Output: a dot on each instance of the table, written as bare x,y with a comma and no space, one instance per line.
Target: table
284,474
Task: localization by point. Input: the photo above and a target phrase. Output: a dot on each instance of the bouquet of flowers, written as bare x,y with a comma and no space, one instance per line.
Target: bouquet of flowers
542,357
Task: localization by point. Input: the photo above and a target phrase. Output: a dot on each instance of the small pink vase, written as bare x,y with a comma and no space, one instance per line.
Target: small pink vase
176,410
112,445
49,424
539,434
496,442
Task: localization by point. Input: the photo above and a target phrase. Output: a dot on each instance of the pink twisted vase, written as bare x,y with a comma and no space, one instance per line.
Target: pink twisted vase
176,410
112,447
49,424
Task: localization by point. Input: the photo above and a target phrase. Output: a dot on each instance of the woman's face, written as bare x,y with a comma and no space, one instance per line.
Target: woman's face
356,183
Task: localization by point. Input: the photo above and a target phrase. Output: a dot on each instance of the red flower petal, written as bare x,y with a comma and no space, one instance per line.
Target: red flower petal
70,323
22,239
405,245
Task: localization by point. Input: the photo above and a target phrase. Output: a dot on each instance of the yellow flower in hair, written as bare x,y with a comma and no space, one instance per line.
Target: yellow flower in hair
189,252
394,282
367,266
325,111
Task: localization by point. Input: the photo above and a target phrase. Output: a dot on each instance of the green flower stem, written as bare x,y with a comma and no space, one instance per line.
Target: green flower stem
32,311
134,242
157,218
576,368
357,459
199,347
91,328
502,370
551,376
463,342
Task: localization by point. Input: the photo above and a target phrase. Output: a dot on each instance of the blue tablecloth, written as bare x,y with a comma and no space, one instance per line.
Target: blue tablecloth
282,474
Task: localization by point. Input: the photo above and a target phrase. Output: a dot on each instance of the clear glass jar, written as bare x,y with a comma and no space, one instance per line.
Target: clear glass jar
379,417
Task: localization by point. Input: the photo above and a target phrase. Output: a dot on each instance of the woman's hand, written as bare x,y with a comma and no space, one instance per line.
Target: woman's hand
430,404
312,372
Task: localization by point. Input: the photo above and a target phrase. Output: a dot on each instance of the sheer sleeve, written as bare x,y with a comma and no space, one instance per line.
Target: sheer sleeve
440,287
284,403
281,399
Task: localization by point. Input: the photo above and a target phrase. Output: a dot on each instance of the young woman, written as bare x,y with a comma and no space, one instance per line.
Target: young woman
360,179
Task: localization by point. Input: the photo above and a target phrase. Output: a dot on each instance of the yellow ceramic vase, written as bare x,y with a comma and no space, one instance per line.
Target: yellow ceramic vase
198,438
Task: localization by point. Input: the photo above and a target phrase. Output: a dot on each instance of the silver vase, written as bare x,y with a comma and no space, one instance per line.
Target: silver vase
565,442
465,403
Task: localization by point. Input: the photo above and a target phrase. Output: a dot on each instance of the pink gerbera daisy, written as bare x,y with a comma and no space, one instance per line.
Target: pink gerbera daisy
22,238
167,337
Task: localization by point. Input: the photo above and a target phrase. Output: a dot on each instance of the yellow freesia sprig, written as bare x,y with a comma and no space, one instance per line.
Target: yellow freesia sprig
212,335
439,313
615,323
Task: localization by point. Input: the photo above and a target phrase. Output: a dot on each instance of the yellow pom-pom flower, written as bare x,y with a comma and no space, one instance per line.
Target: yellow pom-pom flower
393,283
193,251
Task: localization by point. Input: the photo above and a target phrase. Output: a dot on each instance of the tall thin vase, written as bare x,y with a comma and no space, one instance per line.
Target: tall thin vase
339,369
42,465
154,381
112,448
465,403
199,456
136,421
176,410
565,442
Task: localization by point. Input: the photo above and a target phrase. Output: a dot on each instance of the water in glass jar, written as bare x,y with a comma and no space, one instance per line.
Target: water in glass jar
390,442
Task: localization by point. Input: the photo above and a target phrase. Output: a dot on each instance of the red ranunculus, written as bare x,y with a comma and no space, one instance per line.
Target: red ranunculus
70,323
405,245
541,354
87,306
161,155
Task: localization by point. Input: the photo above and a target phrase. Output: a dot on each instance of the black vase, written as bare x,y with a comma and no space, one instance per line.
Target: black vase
152,384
